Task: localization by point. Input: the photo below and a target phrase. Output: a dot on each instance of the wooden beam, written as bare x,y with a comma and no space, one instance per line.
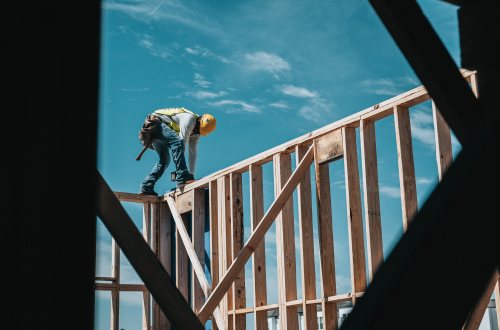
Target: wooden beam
136,198
214,236
371,195
146,264
431,62
476,316
239,291
193,257
256,237
406,167
182,257
497,301
306,235
115,293
354,216
184,202
146,233
259,255
155,217
225,239
329,146
198,238
325,233
410,98
444,155
164,251
285,245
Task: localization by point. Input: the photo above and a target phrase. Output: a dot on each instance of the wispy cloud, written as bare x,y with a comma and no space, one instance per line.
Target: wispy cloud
201,81
206,53
145,89
280,105
422,127
266,62
166,11
318,110
298,91
424,180
387,86
201,95
391,192
241,106
154,49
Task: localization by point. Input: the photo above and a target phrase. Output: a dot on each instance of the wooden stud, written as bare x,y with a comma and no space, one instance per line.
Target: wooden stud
182,261
371,196
155,217
146,233
223,213
285,245
185,240
259,256
406,165
477,314
198,239
304,204
444,155
325,232
256,237
239,292
497,301
214,237
354,216
164,251
115,292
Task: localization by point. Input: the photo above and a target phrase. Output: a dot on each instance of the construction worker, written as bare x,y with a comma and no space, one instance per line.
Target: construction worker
179,127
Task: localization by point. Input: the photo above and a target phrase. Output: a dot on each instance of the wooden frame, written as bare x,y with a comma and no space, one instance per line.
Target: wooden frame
226,303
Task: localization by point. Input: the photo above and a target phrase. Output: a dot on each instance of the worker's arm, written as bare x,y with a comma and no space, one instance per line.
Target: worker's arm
187,122
193,152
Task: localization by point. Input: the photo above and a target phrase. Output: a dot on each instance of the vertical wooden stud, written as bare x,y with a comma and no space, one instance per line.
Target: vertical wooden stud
259,256
325,231
304,204
406,165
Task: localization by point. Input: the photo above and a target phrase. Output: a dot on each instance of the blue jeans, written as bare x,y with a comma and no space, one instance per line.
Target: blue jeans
167,139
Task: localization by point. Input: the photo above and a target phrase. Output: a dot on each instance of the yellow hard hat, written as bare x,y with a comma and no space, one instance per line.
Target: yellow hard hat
207,123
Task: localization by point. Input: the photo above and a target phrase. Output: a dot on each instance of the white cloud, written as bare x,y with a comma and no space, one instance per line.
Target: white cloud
242,106
261,61
298,91
200,95
145,89
148,43
391,192
166,11
389,87
318,110
280,105
422,127
201,81
206,53
424,180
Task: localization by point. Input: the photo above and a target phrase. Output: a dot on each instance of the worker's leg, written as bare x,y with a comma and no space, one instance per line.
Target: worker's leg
176,146
161,147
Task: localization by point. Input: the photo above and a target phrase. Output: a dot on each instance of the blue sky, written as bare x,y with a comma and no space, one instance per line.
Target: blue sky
269,71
